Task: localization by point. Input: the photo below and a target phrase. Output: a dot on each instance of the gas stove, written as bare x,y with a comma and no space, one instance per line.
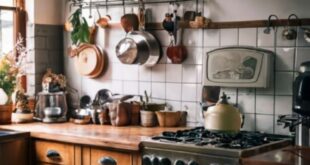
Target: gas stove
198,146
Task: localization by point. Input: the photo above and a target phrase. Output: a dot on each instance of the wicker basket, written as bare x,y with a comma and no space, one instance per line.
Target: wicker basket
5,114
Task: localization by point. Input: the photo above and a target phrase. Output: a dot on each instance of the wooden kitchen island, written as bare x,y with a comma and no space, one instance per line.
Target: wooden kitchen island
72,144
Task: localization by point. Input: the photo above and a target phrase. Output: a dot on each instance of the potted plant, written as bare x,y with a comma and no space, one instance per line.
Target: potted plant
147,113
11,72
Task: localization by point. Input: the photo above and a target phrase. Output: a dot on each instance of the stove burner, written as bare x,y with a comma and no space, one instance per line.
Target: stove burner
201,137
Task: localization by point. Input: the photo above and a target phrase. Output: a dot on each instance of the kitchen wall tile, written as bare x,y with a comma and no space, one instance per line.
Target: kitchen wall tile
229,37
229,91
302,55
279,128
232,99
199,93
159,73
189,92
285,59
144,86
117,87
190,108
247,91
175,105
192,37
131,87
131,72
284,81
283,105
173,73
246,103
93,86
249,122
173,91
158,90
194,55
162,36
270,89
264,104
281,41
248,36
145,73
152,12
117,71
118,35
211,38
264,123
265,40
301,39
189,74
199,74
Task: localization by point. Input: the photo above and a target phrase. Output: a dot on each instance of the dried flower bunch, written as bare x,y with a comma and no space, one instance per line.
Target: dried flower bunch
53,82
12,66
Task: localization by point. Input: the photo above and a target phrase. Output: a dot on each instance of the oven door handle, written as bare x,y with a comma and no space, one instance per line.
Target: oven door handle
107,161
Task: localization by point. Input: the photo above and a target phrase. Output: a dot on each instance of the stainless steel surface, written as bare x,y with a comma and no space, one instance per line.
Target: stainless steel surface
302,135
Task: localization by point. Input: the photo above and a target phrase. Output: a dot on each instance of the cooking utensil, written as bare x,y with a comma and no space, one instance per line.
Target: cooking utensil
168,23
290,33
129,22
306,34
103,22
223,117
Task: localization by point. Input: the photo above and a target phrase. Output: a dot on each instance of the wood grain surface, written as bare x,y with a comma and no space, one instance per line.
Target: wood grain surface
125,138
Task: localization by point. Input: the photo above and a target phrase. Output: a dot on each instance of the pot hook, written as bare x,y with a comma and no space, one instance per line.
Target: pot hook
269,24
290,33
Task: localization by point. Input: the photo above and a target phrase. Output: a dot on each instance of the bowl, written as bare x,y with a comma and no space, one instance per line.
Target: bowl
169,118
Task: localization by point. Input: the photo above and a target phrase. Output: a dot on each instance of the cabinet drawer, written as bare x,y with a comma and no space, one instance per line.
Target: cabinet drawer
121,158
53,152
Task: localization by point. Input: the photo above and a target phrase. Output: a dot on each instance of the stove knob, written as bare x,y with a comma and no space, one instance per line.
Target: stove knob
146,160
192,163
155,161
179,162
164,161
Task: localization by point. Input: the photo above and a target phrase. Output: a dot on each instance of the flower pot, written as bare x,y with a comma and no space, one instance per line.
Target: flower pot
5,114
148,118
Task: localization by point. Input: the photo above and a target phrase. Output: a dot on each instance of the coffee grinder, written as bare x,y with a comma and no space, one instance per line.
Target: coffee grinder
299,122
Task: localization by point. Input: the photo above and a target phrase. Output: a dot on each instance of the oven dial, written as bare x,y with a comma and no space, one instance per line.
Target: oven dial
179,162
146,160
192,163
164,161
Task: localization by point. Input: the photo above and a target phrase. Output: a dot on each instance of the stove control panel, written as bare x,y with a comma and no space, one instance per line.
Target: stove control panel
153,160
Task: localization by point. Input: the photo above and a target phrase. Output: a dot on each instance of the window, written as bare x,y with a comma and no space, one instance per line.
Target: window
12,22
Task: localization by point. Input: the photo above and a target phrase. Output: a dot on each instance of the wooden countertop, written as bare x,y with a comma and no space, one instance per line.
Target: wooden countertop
285,156
126,138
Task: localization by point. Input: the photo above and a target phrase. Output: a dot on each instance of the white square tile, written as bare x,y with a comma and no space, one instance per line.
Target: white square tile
158,90
175,105
229,37
232,99
117,71
283,105
173,91
189,74
263,39
264,123
145,73
300,37
270,89
173,73
282,41
117,86
199,93
159,73
246,103
249,122
247,91
131,87
302,55
248,36
189,92
264,104
162,36
192,37
230,91
284,83
199,74
211,38
279,128
194,55
191,109
144,86
285,59
131,72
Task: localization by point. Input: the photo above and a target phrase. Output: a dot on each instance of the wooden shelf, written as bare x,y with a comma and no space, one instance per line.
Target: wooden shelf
226,25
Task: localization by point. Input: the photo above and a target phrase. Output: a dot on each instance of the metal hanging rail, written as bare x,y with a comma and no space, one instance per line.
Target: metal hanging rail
109,3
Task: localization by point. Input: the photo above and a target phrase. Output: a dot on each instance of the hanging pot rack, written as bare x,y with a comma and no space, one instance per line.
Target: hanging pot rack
185,24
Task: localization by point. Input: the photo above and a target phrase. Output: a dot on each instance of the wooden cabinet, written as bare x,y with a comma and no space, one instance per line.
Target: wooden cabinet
48,152
14,152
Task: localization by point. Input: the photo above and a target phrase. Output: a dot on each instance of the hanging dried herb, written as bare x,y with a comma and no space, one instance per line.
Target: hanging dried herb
80,33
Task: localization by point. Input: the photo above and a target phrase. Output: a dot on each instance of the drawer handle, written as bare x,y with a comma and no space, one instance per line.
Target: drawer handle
52,154
107,161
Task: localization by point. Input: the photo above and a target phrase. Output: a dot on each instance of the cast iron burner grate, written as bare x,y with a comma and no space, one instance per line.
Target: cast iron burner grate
201,137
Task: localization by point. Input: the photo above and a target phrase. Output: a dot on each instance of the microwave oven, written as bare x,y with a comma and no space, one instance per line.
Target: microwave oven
238,67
